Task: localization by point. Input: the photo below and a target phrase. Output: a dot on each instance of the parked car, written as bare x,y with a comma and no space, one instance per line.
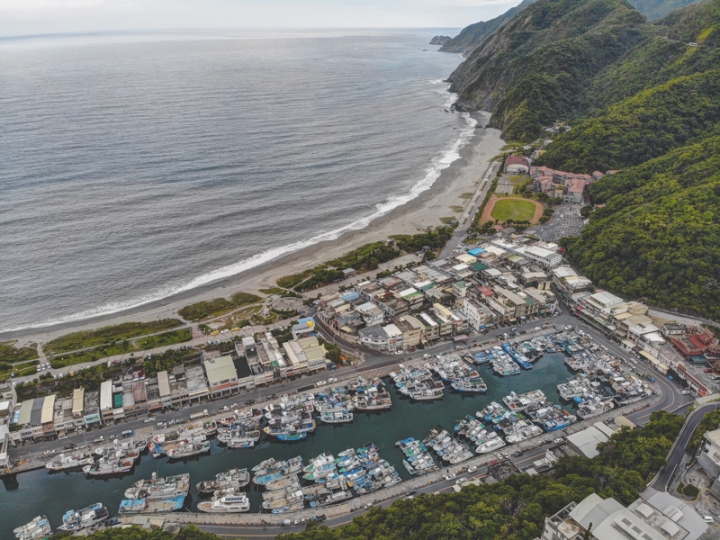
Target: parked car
449,476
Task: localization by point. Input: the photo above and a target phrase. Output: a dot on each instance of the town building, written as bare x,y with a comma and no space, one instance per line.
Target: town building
709,459
221,375
655,515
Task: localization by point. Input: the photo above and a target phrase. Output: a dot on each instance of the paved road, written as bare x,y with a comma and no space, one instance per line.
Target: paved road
566,221
671,397
677,452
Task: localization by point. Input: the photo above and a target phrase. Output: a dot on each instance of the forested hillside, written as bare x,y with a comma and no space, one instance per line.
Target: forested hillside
473,35
641,97
533,71
658,237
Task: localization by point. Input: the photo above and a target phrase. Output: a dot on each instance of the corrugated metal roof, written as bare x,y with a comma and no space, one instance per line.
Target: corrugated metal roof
220,369
106,395
78,400
25,411
163,383
48,409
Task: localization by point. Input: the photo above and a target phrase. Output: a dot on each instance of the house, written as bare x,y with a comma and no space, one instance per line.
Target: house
412,331
221,375
374,337
574,191
395,337
654,515
349,272
709,459
478,315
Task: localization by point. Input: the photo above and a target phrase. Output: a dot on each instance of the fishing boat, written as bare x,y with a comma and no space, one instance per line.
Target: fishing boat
64,462
83,519
232,504
475,386
228,479
108,467
284,483
36,529
320,467
524,402
519,358
490,445
239,438
160,487
493,412
594,407
286,468
336,416
527,432
188,449
151,506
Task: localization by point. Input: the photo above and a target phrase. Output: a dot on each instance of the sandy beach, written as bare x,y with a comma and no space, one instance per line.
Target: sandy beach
443,199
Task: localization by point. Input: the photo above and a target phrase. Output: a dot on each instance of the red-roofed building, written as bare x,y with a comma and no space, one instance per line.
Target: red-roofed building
695,343
517,165
597,175
485,291
575,189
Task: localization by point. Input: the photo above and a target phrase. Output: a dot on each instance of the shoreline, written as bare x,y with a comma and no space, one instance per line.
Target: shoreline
462,176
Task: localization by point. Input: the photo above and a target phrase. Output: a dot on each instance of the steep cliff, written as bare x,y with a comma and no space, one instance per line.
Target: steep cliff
473,35
532,71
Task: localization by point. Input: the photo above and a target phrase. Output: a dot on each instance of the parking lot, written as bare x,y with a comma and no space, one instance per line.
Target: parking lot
566,221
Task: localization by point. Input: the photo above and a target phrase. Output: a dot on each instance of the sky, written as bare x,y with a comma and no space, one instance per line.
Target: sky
32,17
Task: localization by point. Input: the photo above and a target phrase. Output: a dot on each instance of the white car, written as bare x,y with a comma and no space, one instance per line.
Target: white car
450,476
321,383
149,419
472,469
686,392
332,379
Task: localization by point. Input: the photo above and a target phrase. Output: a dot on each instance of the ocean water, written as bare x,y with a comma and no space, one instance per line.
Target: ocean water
137,166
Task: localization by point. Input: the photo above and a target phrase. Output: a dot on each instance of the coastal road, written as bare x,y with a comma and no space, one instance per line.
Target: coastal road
664,477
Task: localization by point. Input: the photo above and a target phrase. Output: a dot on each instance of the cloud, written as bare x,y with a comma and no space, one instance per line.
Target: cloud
37,5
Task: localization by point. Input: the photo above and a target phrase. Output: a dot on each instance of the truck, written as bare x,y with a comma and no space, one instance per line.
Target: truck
198,415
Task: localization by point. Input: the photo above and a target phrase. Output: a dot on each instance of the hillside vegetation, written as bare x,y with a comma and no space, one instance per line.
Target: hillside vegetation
475,34
533,71
641,97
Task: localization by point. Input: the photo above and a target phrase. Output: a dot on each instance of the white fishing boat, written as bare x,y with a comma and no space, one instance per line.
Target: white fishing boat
232,504
65,462
490,445
36,529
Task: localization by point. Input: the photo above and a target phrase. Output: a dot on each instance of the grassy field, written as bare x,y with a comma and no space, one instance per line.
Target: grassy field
10,353
217,306
515,209
124,347
107,335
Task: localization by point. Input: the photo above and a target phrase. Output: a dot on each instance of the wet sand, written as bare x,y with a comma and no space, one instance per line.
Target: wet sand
416,216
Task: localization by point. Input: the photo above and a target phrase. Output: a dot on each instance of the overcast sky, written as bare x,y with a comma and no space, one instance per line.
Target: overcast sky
26,17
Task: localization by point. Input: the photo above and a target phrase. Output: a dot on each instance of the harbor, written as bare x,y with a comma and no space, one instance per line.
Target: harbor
433,421
320,465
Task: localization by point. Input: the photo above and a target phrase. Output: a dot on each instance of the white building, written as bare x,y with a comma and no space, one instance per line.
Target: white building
478,315
221,375
655,515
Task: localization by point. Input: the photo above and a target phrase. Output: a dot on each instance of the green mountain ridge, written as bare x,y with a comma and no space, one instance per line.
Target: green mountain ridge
533,70
641,97
475,34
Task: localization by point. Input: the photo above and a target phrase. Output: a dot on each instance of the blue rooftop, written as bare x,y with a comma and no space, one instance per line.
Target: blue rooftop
476,251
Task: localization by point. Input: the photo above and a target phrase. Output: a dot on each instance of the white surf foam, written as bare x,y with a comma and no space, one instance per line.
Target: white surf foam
439,163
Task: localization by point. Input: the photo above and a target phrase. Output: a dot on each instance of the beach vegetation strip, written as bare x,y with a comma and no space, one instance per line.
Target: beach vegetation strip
217,306
10,353
513,209
108,335
126,346
366,258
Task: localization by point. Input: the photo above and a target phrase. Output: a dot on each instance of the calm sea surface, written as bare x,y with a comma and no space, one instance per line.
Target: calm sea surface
53,494
136,166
